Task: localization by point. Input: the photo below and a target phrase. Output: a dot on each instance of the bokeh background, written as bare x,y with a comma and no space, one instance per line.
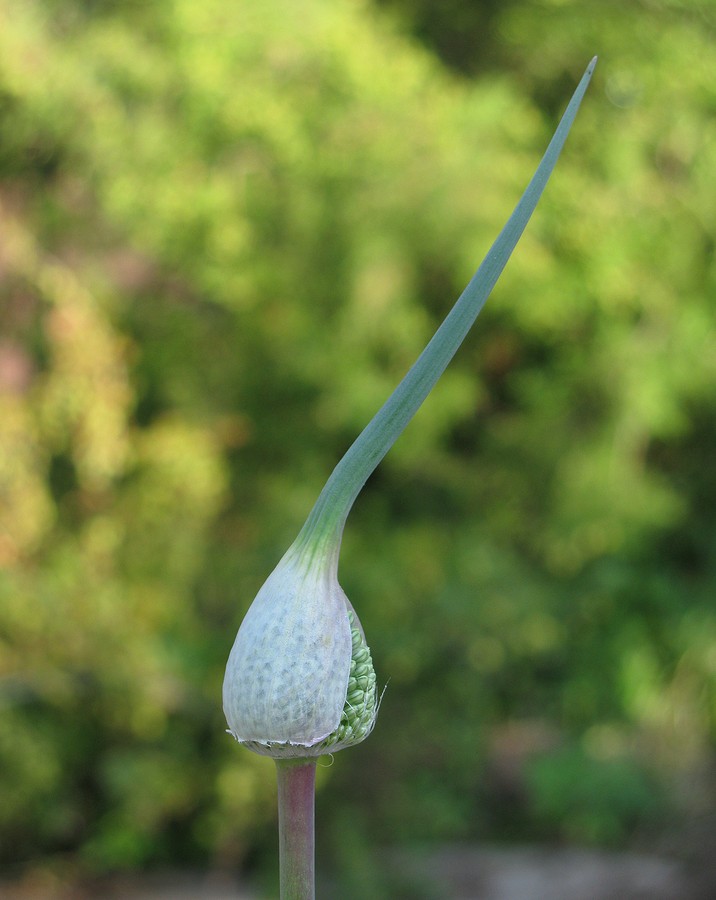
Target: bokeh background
226,231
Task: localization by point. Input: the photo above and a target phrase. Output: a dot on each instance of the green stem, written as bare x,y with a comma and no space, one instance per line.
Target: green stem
296,792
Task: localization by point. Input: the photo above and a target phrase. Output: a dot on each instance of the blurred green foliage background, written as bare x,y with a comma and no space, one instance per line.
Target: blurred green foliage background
226,231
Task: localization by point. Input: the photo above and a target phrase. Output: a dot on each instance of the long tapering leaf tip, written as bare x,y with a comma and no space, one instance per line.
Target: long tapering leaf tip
329,514
586,78
589,71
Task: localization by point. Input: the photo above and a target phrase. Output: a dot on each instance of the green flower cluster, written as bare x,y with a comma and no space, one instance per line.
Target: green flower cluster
360,708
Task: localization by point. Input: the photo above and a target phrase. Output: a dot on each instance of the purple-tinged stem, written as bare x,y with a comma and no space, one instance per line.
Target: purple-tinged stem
296,793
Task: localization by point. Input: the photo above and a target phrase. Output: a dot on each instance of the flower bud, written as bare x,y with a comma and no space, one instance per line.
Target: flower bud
300,679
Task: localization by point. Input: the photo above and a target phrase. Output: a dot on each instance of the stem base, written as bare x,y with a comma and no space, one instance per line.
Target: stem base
296,830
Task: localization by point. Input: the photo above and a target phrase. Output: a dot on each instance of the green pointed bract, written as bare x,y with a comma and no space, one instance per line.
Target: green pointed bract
299,680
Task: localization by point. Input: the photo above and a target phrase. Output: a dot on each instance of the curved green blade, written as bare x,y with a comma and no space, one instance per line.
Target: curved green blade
328,516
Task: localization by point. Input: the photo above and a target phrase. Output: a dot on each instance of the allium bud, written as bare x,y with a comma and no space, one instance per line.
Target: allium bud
300,680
